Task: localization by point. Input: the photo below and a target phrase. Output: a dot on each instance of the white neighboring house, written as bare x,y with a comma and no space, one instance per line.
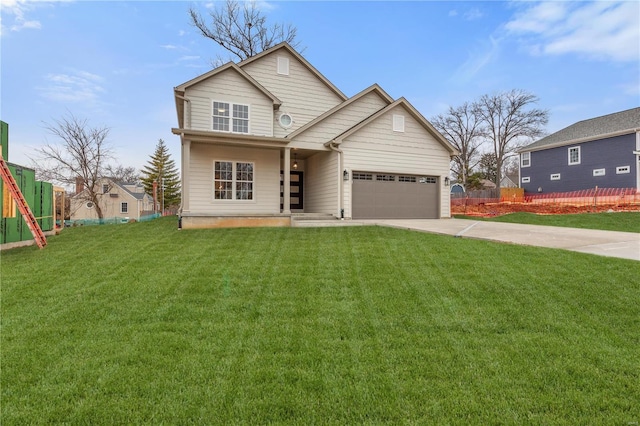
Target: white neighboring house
126,201
271,136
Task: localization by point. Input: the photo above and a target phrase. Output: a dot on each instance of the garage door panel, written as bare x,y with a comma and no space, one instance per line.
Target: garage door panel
381,199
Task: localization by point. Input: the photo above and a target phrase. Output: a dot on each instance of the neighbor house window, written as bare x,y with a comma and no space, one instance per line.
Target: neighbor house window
623,169
233,180
574,155
398,123
283,65
105,188
124,207
230,117
525,159
599,172
555,176
526,179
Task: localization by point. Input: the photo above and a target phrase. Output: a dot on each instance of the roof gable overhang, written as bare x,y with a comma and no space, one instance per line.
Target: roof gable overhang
371,89
287,47
402,102
531,148
179,90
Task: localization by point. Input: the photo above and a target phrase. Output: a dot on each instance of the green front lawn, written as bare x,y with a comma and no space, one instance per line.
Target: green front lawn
142,323
618,221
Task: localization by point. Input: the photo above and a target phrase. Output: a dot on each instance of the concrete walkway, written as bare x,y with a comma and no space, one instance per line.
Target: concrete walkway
624,245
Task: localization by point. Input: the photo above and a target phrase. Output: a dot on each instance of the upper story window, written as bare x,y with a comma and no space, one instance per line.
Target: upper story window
230,117
283,65
574,155
398,123
525,159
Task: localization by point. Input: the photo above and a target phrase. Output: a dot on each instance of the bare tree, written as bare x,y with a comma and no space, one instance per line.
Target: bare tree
462,127
241,28
510,122
121,173
79,158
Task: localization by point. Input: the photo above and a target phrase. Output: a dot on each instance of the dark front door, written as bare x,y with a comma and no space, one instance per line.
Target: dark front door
296,191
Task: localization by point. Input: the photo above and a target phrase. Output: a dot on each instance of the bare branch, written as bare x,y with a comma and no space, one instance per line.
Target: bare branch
509,123
242,29
80,154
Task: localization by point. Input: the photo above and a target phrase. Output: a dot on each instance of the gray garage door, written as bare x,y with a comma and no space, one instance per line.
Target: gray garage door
387,196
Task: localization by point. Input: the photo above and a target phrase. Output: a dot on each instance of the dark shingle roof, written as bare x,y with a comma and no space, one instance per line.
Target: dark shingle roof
618,122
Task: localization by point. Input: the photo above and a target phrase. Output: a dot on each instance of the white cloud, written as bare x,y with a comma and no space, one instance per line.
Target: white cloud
453,12
168,46
479,58
18,10
189,58
599,30
76,86
473,14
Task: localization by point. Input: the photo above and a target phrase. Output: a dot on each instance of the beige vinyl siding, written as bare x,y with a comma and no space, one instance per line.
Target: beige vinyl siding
110,205
229,86
303,95
266,180
321,183
377,148
340,121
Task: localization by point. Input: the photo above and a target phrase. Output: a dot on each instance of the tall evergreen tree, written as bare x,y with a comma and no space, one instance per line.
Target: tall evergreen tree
161,169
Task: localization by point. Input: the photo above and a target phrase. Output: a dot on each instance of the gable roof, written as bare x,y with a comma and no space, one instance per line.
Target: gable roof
618,123
371,89
180,89
412,111
285,46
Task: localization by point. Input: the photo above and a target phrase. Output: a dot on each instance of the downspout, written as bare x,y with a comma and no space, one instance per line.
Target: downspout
334,147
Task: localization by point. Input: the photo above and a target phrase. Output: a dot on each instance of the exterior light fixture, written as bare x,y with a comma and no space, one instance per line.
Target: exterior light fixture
345,175
446,181
295,161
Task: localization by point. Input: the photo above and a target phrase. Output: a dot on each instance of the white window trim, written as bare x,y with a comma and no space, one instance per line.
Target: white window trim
124,203
526,179
621,170
599,172
398,123
569,155
522,157
231,118
280,120
555,176
233,182
282,65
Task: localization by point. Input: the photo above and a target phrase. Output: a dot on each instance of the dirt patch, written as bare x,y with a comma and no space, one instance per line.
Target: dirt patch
499,209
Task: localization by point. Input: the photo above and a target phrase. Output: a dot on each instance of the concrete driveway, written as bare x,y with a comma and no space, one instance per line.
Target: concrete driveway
624,245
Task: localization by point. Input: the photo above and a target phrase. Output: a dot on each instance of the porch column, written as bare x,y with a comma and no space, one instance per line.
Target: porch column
286,182
184,165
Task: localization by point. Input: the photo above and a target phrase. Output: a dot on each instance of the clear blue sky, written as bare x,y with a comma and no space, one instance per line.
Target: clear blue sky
116,62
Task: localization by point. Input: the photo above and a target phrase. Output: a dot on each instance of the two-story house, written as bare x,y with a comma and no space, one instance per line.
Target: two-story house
602,151
271,136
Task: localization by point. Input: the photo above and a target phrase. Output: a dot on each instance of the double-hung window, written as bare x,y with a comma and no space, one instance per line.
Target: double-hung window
124,207
525,159
574,155
228,117
233,180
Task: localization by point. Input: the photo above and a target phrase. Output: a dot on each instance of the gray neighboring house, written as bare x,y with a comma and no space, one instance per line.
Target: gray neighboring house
602,151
